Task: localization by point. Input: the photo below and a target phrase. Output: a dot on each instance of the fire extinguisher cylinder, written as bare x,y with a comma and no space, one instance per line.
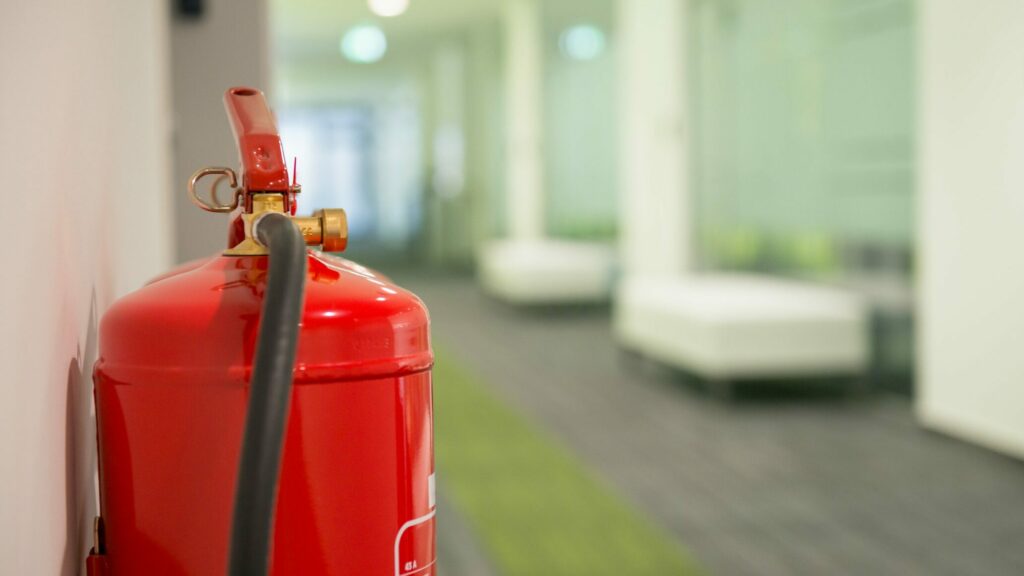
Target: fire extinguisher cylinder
267,410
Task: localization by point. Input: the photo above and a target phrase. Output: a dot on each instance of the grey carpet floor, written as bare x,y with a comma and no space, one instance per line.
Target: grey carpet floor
767,484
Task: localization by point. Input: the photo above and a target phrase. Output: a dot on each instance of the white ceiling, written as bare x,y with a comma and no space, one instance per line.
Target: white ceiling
303,28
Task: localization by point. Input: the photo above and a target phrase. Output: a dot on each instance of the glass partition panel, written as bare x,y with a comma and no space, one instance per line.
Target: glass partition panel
803,135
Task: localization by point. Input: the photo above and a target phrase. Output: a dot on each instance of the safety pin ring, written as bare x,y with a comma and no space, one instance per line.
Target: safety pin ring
214,206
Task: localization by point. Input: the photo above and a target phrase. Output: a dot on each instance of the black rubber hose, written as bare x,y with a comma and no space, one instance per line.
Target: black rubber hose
270,391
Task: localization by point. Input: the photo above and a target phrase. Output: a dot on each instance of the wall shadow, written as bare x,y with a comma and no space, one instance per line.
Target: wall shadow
80,452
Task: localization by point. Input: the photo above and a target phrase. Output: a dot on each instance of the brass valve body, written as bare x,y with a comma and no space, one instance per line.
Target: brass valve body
327,228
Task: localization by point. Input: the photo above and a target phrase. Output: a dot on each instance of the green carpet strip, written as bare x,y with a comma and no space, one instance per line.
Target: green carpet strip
535,507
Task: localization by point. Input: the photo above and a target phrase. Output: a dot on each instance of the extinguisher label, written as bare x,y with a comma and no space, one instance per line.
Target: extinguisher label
414,547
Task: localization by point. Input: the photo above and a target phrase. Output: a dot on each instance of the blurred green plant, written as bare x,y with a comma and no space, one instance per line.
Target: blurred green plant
586,230
536,508
810,254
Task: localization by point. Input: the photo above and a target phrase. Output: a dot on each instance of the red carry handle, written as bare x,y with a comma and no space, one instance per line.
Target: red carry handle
259,145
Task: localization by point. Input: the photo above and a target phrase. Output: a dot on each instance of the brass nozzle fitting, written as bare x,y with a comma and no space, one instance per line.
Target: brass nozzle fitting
327,228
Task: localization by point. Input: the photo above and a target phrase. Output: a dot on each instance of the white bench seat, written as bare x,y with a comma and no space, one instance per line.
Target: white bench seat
728,327
547,271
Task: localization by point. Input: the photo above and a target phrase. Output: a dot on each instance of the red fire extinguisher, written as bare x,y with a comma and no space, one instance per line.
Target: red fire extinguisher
269,409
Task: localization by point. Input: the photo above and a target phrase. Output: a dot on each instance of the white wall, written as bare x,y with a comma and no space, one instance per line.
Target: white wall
971,223
84,156
227,47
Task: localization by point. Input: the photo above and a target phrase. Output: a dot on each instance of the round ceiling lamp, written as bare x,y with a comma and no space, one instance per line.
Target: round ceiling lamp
364,44
388,8
582,42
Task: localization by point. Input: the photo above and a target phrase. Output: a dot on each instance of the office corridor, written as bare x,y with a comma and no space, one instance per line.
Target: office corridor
766,484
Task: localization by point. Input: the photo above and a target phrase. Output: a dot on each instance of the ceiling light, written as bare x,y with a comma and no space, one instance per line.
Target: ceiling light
388,8
582,42
364,44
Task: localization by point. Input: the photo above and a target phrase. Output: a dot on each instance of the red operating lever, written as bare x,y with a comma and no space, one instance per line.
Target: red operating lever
259,145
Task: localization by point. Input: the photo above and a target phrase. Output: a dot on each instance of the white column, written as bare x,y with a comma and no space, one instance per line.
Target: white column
655,226
971,220
523,104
